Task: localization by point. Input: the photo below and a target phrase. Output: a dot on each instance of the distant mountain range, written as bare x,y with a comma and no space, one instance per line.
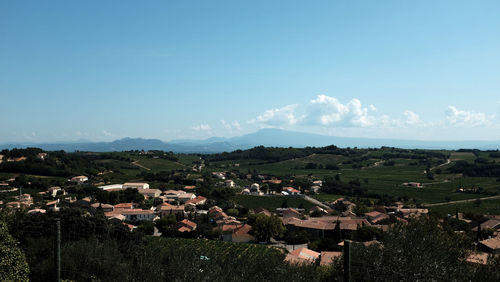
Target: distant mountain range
266,137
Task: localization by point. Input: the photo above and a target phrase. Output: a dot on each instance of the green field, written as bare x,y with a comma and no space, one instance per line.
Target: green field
377,178
270,203
491,206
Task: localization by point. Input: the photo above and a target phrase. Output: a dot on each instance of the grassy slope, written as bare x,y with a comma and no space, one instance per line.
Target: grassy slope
270,202
487,207
381,179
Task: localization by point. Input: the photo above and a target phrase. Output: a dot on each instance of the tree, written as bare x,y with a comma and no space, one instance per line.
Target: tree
284,205
419,251
266,227
337,233
232,212
147,227
13,265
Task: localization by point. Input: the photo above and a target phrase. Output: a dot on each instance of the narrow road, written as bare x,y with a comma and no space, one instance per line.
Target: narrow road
316,202
139,165
460,201
448,161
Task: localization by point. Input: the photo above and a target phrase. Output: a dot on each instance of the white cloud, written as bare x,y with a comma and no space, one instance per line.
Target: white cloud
278,117
326,110
106,133
412,118
201,127
455,116
230,126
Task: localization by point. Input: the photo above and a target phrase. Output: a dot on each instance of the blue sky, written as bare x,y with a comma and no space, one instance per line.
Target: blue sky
102,70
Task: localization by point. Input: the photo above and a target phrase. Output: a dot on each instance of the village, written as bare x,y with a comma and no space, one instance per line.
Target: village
179,212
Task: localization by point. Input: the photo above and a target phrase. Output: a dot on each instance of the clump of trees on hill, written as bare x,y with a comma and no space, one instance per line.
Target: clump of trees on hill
277,154
478,168
60,163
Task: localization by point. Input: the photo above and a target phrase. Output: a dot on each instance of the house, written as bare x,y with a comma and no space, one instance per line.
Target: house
229,183
150,193
376,216
138,214
105,207
291,213
489,224
318,182
291,191
302,256
117,218
166,209
262,211
173,195
13,205
216,213
413,184
52,191
199,200
53,205
242,234
315,189
79,179
41,156
317,228
134,185
328,257
478,257
189,187
186,197
124,206
317,210
343,205
37,211
25,199
84,202
273,181
347,224
186,225
406,213
220,175
255,188
491,245
111,187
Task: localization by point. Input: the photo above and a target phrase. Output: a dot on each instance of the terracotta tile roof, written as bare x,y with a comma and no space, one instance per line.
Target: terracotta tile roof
189,187
229,227
328,257
262,211
136,211
113,190
291,211
491,223
184,229
302,255
480,258
188,223
373,214
274,181
124,206
168,207
492,243
291,190
243,230
196,200
310,224
174,192
104,206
